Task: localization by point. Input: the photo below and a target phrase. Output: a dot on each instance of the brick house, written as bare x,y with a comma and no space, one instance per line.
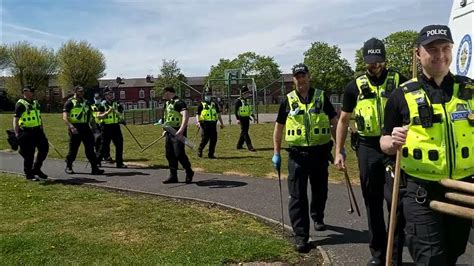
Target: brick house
137,93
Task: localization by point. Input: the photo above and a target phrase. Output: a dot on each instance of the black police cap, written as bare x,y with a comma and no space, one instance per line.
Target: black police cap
300,68
373,51
433,33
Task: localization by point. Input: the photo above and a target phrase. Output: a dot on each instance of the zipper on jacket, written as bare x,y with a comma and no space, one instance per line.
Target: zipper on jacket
449,143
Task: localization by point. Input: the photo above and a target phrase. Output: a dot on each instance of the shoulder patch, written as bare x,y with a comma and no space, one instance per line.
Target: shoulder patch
410,86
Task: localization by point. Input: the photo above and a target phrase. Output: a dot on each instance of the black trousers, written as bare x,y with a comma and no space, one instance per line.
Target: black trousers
111,133
175,153
97,131
433,238
301,166
31,139
208,134
399,235
372,179
244,133
87,138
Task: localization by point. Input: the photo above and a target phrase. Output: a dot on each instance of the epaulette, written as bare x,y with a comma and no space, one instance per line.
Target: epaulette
410,86
466,87
394,70
463,80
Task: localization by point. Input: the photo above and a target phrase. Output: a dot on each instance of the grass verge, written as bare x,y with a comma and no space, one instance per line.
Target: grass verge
230,160
54,223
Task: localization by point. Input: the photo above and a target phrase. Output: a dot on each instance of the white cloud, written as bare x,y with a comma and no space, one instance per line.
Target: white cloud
136,35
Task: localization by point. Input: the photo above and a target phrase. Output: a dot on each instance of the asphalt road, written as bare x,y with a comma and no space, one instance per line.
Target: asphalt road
345,242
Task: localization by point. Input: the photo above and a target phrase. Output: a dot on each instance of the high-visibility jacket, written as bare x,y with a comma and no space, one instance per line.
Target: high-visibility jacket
31,117
79,112
369,111
245,110
172,117
113,117
307,124
440,139
209,112
95,113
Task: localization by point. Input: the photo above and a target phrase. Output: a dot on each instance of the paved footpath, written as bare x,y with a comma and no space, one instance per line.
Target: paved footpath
345,242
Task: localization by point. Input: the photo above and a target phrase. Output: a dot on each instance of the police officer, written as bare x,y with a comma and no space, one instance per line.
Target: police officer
366,97
176,115
77,116
28,127
430,119
208,113
97,126
243,112
110,113
310,120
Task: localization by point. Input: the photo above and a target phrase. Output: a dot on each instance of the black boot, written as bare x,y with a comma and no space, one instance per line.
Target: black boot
189,176
68,169
40,174
173,178
97,171
30,176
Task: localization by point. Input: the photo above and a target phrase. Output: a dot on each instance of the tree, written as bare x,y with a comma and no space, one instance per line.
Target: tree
399,48
263,69
4,59
170,75
359,61
29,66
329,71
80,64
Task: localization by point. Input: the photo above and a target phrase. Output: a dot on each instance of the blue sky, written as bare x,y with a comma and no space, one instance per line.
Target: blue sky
135,35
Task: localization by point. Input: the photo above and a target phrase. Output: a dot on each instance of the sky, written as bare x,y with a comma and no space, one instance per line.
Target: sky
136,35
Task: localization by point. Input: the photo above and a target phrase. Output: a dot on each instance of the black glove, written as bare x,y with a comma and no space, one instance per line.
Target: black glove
12,139
123,122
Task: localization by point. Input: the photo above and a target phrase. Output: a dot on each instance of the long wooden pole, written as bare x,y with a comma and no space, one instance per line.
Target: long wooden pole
393,209
458,185
452,209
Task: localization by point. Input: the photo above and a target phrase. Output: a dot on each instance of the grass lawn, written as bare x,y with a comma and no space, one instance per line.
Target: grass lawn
53,223
230,160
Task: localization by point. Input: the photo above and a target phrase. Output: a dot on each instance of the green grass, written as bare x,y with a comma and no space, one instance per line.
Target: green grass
230,160
53,223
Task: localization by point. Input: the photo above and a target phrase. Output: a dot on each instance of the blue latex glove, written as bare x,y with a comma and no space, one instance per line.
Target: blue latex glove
343,153
276,161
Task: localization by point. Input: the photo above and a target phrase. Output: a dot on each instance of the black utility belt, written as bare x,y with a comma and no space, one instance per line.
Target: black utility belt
30,128
306,149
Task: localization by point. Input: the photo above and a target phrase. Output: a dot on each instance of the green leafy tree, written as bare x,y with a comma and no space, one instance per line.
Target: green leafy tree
170,75
359,62
263,69
80,64
329,71
4,59
399,48
29,66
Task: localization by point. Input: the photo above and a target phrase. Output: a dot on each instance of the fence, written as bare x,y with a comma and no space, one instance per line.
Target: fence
148,116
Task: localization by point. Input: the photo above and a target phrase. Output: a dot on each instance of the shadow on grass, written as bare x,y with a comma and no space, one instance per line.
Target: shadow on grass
137,160
235,157
264,149
71,181
130,173
216,183
344,236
